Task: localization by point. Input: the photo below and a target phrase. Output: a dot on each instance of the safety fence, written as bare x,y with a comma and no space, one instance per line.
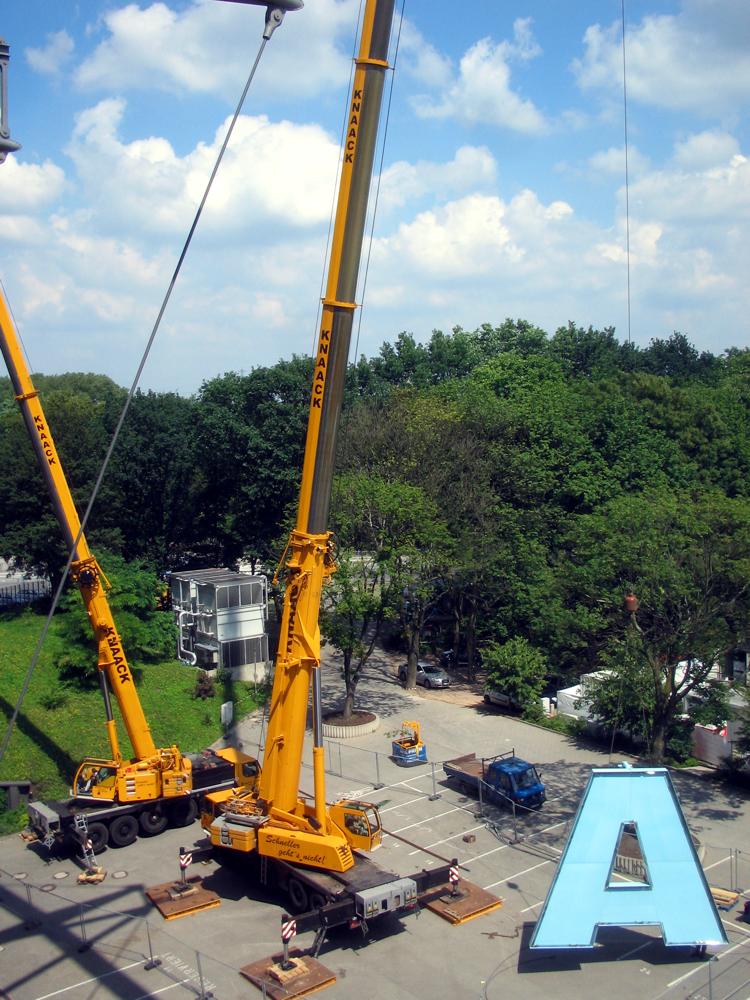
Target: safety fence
126,954
24,592
544,833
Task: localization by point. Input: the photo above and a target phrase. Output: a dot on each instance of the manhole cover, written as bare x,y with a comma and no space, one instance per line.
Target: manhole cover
47,888
60,875
21,875
119,874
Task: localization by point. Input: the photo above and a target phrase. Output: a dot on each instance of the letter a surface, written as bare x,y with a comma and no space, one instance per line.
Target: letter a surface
586,894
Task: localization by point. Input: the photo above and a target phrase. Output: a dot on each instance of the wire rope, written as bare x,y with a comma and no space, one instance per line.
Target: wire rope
354,353
126,405
627,172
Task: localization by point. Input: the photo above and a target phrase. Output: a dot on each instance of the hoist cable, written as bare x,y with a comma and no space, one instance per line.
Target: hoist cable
627,176
353,354
380,177
126,405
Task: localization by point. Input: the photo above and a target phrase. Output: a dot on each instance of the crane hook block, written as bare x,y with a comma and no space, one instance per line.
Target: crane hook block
275,10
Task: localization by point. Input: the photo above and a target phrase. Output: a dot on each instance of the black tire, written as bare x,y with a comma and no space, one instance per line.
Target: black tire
183,812
317,900
123,830
428,684
298,897
98,834
153,820
486,698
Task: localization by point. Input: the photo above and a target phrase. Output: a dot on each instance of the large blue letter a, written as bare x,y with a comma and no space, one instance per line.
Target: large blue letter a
673,892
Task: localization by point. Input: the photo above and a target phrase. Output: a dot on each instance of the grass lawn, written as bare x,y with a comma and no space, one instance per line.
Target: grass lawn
58,725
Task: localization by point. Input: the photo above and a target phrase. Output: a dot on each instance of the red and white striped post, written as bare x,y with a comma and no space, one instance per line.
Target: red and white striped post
186,859
288,931
453,878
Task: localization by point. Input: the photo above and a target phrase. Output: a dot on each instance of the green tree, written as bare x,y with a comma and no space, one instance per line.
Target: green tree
688,561
148,634
519,670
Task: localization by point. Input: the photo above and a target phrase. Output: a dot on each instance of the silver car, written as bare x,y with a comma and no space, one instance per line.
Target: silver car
428,675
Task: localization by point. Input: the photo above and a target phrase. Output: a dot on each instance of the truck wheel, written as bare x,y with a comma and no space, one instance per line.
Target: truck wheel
298,895
183,812
153,820
123,830
317,900
98,834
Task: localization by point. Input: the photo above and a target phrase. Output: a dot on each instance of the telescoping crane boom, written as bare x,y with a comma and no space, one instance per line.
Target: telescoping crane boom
275,821
117,794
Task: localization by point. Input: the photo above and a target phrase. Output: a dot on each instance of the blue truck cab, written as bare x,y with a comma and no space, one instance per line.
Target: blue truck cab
505,779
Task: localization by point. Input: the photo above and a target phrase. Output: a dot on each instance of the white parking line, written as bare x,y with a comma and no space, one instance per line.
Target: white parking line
512,878
687,975
85,982
532,907
717,863
164,989
634,951
735,927
429,819
446,839
401,805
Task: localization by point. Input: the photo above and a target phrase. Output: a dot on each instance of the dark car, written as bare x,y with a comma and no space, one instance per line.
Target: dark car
428,675
448,659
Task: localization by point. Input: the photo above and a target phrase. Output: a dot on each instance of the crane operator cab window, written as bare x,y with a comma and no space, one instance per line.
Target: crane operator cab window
91,775
362,825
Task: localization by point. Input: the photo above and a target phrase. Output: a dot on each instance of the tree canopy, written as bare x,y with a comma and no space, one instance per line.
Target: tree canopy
493,484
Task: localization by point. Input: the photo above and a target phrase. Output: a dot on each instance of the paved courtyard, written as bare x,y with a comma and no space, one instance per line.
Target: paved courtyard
59,939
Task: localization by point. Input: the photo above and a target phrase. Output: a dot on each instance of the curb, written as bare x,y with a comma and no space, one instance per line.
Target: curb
347,732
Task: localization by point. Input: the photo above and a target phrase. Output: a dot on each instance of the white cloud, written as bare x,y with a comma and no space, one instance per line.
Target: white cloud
272,172
208,47
696,60
481,92
611,162
27,187
706,149
420,59
471,167
55,55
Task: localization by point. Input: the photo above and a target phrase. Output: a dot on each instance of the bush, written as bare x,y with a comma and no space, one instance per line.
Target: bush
205,685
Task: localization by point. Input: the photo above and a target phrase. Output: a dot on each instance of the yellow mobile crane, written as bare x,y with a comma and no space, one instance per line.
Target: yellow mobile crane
116,797
310,849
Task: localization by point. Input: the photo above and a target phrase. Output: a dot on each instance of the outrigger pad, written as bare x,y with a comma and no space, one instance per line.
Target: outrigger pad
470,902
173,904
307,975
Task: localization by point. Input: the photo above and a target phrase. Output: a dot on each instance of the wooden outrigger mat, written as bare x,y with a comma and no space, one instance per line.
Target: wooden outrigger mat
471,902
308,975
172,903
725,899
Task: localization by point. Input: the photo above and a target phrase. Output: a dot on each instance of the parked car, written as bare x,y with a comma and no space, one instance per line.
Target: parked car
501,699
448,659
428,675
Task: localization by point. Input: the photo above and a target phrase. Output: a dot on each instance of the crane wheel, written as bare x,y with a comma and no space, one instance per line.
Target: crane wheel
298,895
183,812
123,830
98,834
153,820
317,900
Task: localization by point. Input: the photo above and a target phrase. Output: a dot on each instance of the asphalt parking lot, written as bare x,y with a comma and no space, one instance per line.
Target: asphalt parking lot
59,939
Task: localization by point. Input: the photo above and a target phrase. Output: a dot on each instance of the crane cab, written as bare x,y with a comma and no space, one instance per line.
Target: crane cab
359,822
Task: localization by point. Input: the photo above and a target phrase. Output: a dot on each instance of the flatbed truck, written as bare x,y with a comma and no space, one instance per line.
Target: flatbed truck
504,779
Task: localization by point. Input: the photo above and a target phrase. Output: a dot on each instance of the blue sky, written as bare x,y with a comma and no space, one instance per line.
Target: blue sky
502,191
